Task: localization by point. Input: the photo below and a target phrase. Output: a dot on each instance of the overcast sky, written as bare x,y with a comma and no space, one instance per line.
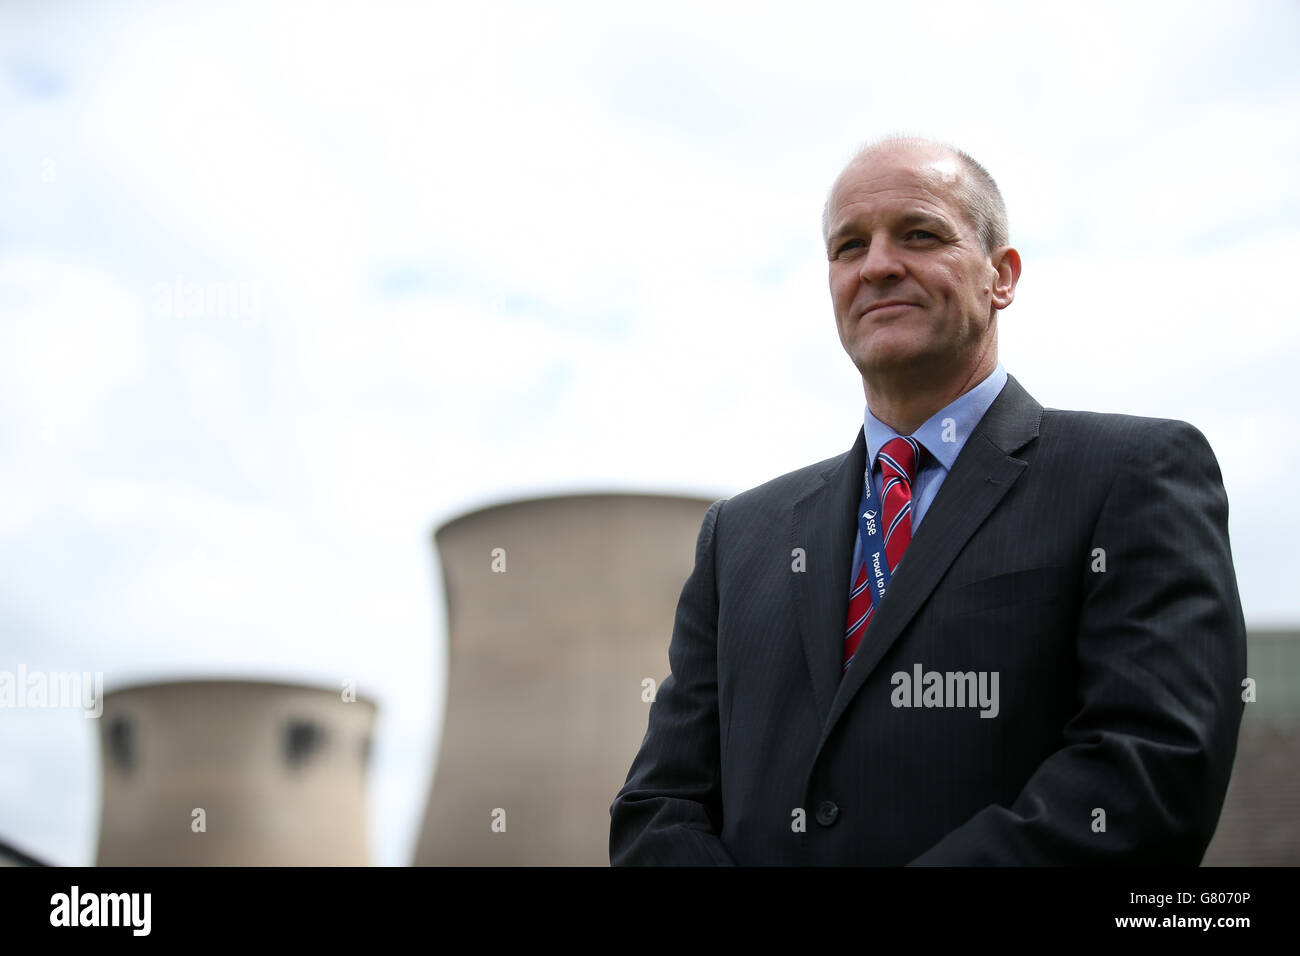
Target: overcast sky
478,251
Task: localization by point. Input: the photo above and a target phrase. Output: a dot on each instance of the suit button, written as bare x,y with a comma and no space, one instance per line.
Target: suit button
827,813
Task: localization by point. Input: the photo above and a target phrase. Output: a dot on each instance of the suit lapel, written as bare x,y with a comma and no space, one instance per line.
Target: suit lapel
823,524
982,474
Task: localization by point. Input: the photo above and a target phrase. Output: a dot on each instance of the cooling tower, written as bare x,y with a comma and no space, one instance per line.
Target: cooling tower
233,773
558,610
1260,823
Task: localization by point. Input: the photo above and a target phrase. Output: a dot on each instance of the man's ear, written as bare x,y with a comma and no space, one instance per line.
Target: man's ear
1007,263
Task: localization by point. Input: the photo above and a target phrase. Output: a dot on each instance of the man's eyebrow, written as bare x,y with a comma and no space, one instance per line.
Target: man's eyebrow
836,234
907,219
923,219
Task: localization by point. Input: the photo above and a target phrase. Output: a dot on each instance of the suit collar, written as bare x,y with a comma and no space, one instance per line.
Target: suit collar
1013,419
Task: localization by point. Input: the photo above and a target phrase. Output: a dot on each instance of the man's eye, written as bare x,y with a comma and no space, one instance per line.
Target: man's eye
920,234
849,246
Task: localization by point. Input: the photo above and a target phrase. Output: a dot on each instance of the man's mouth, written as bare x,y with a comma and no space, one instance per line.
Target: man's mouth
886,307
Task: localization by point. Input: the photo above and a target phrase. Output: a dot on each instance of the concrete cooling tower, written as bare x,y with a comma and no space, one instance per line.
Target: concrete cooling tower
559,612
1260,824
233,773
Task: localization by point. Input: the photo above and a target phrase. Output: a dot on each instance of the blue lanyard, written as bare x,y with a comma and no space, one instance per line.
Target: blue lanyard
870,518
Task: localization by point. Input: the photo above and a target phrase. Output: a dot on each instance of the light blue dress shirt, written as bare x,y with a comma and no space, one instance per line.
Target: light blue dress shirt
943,435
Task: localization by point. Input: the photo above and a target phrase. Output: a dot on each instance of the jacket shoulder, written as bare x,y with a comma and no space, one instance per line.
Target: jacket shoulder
784,490
1124,435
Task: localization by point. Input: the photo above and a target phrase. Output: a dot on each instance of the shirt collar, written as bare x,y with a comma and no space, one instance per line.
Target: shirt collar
945,432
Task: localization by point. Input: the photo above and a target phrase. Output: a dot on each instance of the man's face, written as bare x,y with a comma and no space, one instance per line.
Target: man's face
912,287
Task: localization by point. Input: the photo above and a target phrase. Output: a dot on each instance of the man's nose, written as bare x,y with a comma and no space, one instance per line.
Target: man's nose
882,262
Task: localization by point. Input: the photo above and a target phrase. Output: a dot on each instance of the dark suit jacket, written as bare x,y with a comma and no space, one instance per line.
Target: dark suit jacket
1119,689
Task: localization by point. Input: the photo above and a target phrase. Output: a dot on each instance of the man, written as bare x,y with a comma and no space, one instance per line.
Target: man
1014,639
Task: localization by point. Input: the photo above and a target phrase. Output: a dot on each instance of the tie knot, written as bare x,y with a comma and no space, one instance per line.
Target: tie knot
900,457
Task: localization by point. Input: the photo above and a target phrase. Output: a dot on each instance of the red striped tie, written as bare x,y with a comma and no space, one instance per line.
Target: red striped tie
898,461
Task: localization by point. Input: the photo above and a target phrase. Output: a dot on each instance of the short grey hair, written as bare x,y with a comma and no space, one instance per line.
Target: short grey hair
979,194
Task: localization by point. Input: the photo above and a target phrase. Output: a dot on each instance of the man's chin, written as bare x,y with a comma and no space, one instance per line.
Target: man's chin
894,364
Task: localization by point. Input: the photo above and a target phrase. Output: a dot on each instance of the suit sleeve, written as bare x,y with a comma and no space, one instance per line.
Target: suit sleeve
1161,654
670,809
